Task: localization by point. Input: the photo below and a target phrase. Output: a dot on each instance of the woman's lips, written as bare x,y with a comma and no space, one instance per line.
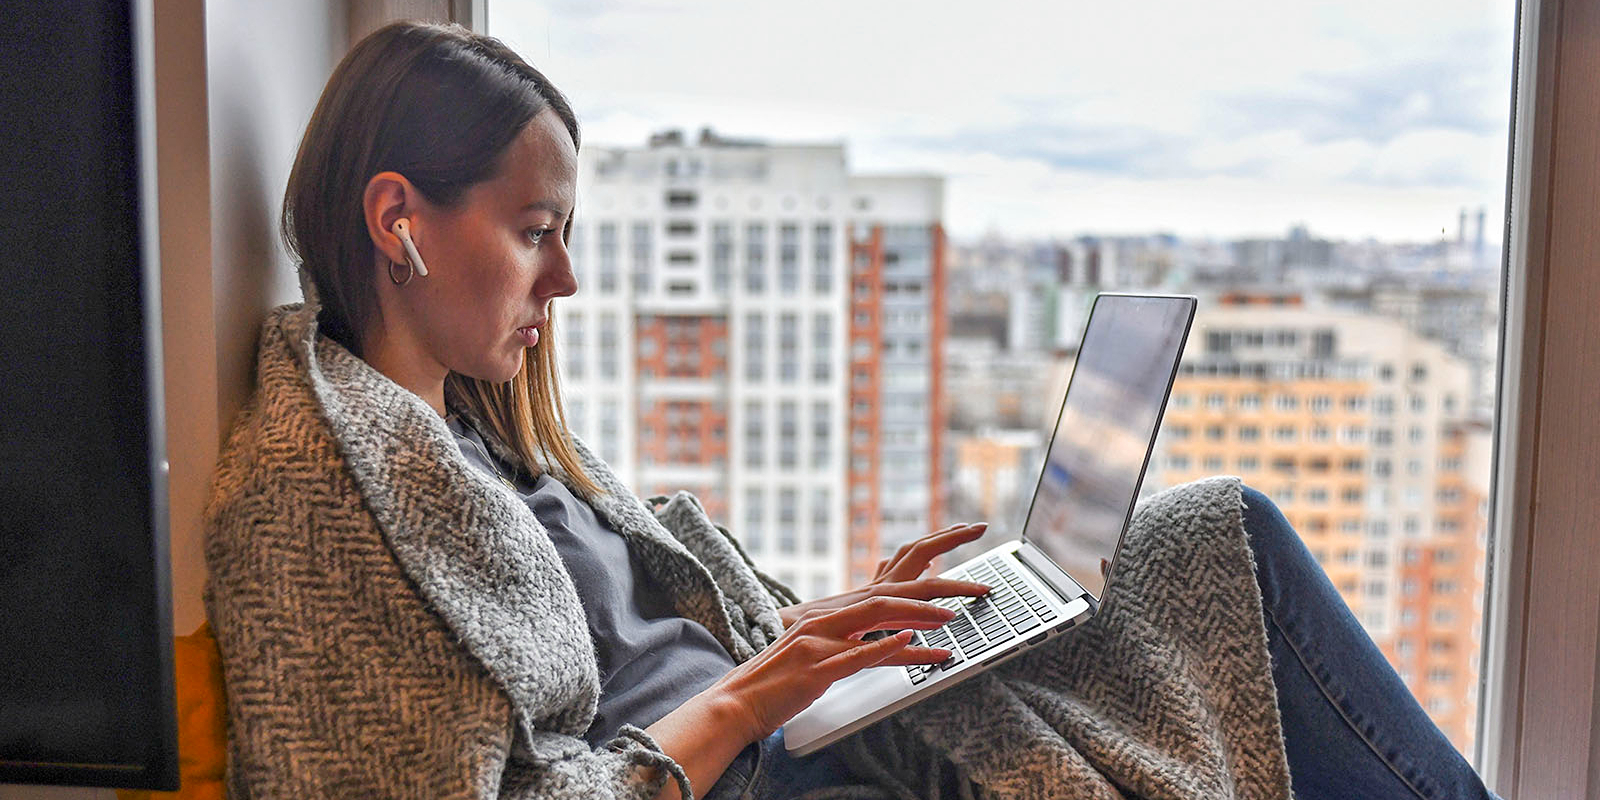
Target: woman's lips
530,335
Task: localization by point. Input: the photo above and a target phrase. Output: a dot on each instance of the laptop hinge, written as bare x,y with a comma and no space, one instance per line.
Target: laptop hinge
1053,576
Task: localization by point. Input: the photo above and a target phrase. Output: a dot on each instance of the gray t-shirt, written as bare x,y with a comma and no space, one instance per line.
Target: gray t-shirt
651,659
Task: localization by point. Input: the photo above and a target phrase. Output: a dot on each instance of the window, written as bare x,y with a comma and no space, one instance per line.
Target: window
821,434
753,535
610,420
755,258
573,341
721,256
788,434
754,435
789,348
609,338
1318,350
755,355
822,258
821,526
788,511
608,257
821,346
789,257
642,253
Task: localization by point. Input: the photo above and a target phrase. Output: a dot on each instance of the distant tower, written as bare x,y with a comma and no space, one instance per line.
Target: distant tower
1477,243
1461,229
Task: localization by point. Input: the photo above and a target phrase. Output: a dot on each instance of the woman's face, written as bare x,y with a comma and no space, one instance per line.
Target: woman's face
496,258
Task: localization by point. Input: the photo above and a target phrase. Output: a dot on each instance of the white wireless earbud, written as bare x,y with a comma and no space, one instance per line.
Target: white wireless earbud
402,229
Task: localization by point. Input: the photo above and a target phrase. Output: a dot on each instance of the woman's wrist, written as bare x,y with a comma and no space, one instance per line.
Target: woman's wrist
703,736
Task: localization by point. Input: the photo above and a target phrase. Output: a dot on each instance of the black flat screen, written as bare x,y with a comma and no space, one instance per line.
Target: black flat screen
85,617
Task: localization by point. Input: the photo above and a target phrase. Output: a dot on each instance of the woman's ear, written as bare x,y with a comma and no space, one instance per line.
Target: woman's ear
388,197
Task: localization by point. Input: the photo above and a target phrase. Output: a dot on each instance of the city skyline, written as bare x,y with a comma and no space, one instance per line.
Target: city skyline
1253,117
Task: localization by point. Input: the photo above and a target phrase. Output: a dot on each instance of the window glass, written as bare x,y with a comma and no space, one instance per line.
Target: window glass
1327,179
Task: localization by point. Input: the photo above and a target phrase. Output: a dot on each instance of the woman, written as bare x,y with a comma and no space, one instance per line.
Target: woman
422,586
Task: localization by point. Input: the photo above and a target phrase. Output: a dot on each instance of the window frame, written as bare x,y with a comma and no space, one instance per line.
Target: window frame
1541,633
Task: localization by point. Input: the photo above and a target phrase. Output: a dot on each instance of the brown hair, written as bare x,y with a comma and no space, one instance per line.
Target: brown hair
438,104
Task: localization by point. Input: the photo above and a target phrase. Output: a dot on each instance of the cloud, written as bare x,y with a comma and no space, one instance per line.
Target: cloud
1123,116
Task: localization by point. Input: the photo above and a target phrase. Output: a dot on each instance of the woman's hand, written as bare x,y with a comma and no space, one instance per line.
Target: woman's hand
757,697
823,646
901,574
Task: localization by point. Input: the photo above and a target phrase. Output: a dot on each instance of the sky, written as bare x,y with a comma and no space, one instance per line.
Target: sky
1361,118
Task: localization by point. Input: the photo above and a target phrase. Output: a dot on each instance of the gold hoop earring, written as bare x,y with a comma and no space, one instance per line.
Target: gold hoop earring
398,281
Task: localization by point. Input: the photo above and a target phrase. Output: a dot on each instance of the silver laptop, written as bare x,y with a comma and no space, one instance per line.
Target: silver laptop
1057,574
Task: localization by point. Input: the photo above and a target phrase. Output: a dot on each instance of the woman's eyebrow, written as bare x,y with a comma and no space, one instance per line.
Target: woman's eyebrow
546,205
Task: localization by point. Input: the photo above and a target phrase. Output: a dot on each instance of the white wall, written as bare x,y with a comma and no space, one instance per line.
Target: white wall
235,84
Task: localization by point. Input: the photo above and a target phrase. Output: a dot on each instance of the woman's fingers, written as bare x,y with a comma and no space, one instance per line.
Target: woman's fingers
876,614
869,654
914,654
931,588
913,558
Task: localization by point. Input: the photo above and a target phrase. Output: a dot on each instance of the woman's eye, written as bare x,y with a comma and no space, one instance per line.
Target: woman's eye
535,234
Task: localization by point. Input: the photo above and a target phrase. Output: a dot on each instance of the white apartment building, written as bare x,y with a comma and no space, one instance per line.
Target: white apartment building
754,324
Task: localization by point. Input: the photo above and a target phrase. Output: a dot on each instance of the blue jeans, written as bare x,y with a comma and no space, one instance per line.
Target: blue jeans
1350,727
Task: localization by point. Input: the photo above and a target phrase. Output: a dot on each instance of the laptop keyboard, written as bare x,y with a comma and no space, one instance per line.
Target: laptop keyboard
1010,609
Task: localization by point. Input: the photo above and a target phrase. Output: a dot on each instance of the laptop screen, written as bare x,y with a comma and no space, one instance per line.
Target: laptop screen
1107,425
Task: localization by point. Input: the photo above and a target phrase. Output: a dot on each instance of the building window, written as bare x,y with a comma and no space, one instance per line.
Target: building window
609,422
643,249
788,433
789,257
1250,402
822,258
754,435
821,346
609,336
681,199
573,342
788,512
821,525
721,256
608,257
821,428
755,346
789,348
754,501
755,257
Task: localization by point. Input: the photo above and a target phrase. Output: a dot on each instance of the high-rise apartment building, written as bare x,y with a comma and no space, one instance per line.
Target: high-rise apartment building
756,324
1358,429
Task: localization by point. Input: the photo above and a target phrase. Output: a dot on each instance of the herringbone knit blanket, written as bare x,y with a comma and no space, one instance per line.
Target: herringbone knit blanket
394,625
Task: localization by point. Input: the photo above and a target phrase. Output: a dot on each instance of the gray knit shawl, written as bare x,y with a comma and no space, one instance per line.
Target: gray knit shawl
394,625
